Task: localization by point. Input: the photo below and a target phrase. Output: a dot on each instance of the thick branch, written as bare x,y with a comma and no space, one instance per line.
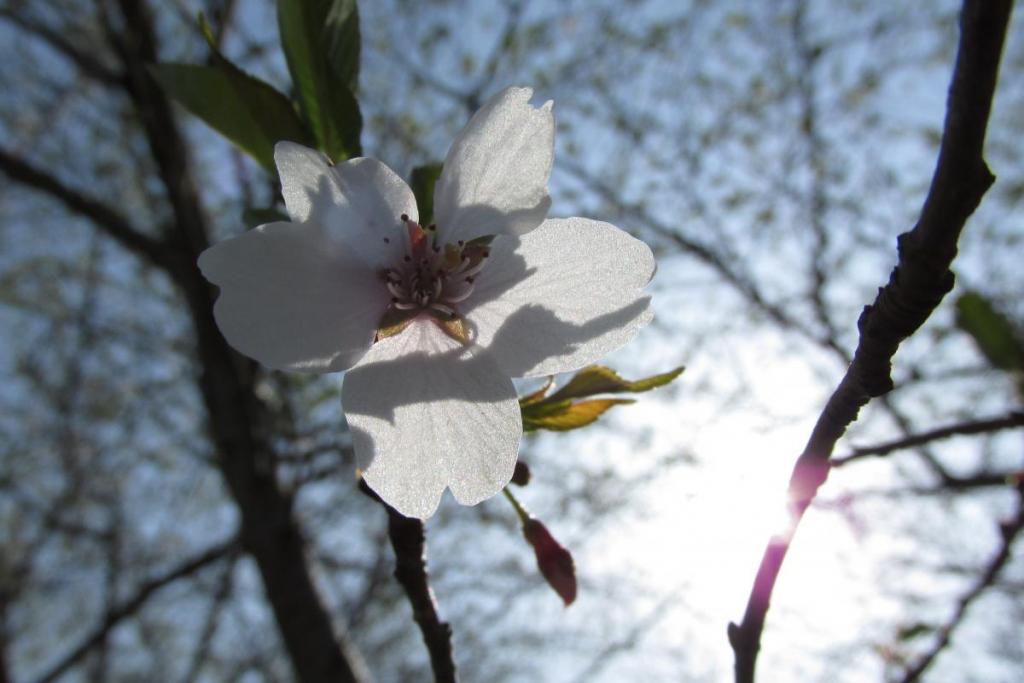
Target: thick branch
115,615
237,419
1011,421
1009,530
408,540
104,217
916,287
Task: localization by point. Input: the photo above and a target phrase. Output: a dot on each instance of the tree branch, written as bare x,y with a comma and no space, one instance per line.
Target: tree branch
86,63
129,607
1009,530
1011,421
237,419
916,287
408,539
103,217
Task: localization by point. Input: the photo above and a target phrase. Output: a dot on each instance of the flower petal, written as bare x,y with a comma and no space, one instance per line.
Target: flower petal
359,202
560,297
425,414
292,300
495,177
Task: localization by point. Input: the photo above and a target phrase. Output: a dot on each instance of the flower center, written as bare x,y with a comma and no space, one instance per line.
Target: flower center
434,278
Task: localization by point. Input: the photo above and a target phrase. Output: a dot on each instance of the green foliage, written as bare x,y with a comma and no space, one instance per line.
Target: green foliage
320,39
995,335
422,182
597,379
563,410
247,111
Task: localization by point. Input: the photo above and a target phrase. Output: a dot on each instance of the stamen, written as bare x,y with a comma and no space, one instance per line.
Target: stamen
404,305
443,309
461,296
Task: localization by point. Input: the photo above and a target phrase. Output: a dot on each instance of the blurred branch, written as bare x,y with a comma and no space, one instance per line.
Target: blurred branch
238,420
1009,531
1010,421
86,62
205,639
104,217
916,287
129,607
408,539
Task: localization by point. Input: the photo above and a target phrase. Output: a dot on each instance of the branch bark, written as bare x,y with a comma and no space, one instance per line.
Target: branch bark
1011,421
917,285
408,540
269,530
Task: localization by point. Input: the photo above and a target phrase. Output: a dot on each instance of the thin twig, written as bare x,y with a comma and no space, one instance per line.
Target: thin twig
1009,531
1011,421
115,615
408,539
916,287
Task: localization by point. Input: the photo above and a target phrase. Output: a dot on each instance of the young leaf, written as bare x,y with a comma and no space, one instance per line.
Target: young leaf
247,111
565,415
597,379
992,331
537,395
309,34
422,183
341,34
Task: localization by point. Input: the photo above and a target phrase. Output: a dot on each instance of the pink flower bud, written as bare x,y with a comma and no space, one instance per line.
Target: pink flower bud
554,561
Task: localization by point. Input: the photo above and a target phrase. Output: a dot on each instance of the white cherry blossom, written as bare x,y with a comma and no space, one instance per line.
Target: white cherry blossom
432,322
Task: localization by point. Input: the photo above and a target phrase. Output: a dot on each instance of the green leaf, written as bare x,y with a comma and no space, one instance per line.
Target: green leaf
254,216
537,395
598,379
566,415
422,182
247,111
992,331
341,34
313,35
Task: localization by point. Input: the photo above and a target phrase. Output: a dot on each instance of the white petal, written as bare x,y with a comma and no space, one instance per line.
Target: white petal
560,297
426,414
496,175
290,299
359,202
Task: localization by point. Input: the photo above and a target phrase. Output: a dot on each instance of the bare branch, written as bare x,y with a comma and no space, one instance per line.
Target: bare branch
1009,531
1013,420
131,606
86,62
408,539
916,287
104,217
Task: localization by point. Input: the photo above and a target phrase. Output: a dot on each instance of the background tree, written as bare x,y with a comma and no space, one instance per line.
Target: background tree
170,511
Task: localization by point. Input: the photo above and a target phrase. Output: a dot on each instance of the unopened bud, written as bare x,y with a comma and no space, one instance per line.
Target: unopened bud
554,561
521,475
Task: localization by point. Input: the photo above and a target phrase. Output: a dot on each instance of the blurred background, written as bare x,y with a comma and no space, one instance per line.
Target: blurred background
770,153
